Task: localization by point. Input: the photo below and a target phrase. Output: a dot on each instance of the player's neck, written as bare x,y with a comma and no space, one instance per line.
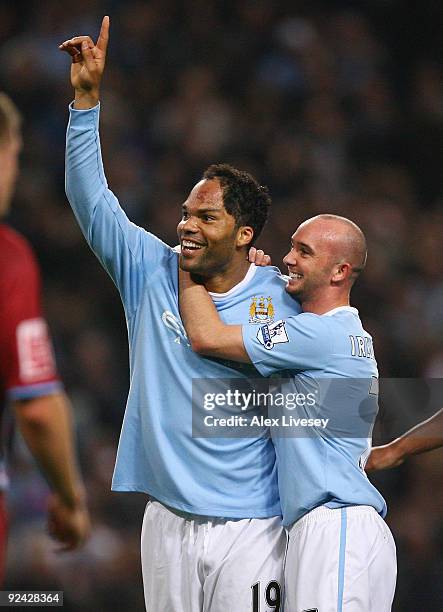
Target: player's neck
227,279
321,305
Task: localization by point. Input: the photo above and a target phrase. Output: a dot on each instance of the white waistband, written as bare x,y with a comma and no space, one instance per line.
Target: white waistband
323,513
189,516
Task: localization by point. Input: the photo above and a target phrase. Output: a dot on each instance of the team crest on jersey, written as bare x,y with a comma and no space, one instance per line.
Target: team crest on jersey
268,335
261,310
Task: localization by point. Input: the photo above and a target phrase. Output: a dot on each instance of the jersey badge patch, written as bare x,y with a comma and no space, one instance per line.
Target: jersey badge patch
268,335
35,357
261,310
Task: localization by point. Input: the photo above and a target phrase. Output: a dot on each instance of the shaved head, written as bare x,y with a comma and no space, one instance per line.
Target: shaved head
343,238
327,254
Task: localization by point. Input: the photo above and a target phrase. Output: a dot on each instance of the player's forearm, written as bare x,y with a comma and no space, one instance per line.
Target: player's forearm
421,438
85,181
200,318
207,333
96,208
45,424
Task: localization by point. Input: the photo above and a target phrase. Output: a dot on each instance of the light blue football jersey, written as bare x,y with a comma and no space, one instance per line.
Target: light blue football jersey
329,359
224,477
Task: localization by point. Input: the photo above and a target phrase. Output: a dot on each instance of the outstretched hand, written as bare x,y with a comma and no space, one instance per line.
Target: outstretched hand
88,60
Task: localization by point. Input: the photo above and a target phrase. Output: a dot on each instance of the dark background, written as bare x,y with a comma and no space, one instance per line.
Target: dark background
337,107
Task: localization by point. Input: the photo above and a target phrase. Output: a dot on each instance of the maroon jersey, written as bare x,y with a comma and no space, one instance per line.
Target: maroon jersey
27,367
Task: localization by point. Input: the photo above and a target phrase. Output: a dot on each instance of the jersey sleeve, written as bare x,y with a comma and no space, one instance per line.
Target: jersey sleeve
301,342
127,252
27,365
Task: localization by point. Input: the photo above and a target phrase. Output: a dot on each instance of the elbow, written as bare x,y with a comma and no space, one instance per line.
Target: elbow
31,410
201,344
32,420
36,414
198,345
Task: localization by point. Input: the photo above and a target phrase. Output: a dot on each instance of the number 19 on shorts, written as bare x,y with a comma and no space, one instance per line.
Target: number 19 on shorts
270,597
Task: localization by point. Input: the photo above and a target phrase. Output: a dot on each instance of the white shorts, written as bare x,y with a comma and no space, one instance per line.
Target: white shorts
201,564
341,560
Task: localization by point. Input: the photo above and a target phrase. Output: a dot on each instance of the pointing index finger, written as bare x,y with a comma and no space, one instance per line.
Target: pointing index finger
103,37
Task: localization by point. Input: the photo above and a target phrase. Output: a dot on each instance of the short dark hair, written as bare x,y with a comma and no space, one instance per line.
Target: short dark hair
244,199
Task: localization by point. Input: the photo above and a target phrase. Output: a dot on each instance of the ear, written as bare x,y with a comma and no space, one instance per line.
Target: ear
245,236
341,273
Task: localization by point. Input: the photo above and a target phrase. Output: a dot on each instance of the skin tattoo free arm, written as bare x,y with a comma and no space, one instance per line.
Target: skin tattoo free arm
207,333
424,437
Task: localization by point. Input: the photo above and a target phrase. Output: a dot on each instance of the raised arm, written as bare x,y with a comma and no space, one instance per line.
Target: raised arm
423,437
207,333
86,185
126,251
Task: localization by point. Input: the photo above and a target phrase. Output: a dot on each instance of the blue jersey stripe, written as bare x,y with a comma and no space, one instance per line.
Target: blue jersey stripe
342,560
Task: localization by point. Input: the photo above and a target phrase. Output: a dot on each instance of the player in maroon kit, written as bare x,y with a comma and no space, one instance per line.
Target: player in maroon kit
28,377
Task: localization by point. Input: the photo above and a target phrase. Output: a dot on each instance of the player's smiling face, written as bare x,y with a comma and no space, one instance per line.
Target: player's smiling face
310,262
207,232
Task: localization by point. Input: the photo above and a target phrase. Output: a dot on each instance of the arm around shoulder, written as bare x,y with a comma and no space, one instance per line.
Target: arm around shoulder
207,333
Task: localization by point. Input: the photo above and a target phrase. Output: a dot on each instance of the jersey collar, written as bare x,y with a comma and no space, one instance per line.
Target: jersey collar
339,309
236,288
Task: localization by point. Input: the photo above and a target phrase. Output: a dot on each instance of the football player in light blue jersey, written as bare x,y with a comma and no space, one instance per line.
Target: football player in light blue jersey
212,529
341,554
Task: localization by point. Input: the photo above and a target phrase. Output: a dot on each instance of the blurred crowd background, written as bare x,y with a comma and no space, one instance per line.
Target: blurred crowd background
337,107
